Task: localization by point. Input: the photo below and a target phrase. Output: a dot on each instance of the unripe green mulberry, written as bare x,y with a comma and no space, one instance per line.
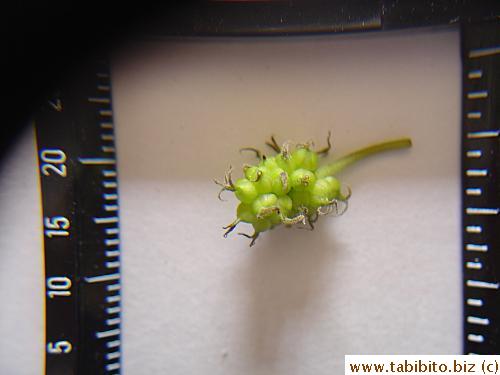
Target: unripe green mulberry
244,212
324,191
245,190
300,199
252,173
290,188
285,204
264,184
262,225
305,158
301,179
264,205
283,161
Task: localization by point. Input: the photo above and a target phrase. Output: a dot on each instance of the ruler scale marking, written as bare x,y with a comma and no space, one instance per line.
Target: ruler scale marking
474,302
481,179
83,268
477,94
483,52
483,134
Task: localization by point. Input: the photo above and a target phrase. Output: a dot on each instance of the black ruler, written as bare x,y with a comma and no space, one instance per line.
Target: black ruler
481,187
78,174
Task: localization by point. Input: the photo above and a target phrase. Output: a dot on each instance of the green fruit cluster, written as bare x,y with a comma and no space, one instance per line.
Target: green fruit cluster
284,189
289,188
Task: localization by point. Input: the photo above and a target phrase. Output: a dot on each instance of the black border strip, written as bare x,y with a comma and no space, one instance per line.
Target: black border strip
251,18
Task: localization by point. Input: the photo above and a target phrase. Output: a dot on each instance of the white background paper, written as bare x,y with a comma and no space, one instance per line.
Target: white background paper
384,278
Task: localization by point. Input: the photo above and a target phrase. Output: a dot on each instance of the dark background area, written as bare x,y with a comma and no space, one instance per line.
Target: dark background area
44,42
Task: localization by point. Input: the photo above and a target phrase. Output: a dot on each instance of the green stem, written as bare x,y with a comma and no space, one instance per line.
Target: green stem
340,164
